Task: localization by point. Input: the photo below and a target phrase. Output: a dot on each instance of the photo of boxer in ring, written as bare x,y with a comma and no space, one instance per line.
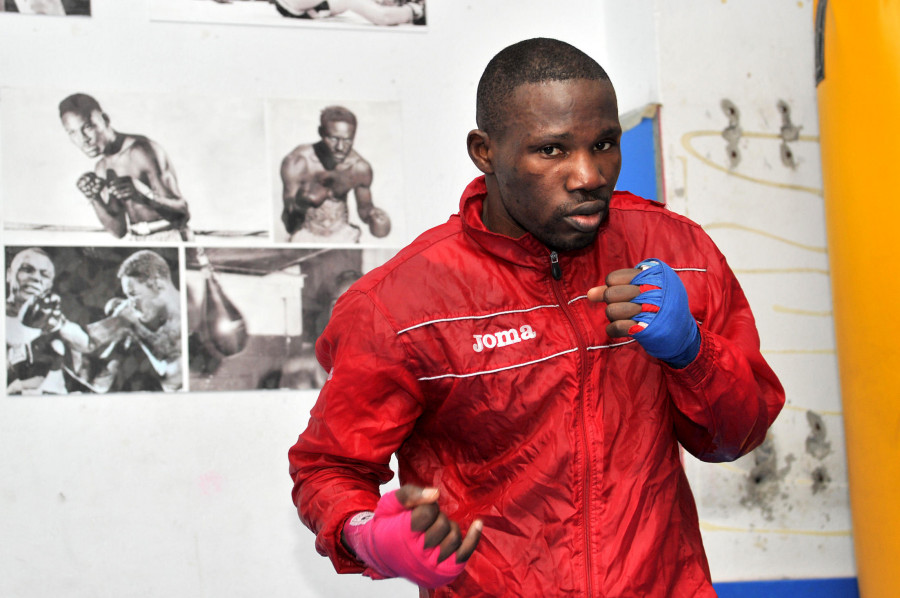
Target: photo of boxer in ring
329,191
133,188
92,320
132,168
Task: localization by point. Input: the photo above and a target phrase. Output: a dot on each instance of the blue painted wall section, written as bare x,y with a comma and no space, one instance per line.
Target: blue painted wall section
639,160
790,588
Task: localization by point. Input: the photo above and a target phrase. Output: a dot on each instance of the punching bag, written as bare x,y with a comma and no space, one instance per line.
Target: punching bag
858,90
224,324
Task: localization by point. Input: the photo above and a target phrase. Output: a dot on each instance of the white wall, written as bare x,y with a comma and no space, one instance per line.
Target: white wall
188,495
768,219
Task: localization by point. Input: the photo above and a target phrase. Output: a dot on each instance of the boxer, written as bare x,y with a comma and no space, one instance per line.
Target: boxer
132,189
317,179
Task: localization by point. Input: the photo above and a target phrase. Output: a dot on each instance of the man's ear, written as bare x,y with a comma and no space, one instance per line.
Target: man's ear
479,145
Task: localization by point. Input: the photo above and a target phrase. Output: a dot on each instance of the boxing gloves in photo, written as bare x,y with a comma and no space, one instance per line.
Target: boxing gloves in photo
43,312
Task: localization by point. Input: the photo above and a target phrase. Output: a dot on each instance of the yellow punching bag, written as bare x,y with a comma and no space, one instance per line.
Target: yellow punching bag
858,88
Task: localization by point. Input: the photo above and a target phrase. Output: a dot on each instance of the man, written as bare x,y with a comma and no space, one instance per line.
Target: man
317,179
150,315
39,338
533,382
377,12
133,188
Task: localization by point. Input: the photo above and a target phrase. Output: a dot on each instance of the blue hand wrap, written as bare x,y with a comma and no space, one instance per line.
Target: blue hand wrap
671,334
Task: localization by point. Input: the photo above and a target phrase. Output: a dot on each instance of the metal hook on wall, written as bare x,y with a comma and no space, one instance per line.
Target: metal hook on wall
732,133
789,132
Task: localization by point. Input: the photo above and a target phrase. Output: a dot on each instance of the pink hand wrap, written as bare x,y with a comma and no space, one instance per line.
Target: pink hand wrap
387,544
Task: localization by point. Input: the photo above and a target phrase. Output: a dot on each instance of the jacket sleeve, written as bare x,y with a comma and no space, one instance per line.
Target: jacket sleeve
365,410
726,399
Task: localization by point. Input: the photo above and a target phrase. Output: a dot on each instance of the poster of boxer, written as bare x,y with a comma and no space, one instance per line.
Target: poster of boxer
338,175
57,8
85,167
255,314
387,15
92,320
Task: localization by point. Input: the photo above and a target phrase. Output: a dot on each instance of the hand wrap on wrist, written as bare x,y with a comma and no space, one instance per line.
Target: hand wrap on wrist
385,541
666,329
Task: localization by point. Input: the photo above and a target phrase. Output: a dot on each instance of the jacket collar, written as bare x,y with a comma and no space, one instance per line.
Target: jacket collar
525,251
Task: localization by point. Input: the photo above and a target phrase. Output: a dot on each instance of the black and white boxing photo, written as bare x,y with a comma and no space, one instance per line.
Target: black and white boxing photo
338,179
254,314
387,15
131,168
92,320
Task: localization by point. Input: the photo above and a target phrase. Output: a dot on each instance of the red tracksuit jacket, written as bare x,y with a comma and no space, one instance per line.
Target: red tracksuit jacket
486,369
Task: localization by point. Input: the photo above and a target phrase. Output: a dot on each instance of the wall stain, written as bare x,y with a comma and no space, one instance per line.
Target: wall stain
816,443
763,484
820,478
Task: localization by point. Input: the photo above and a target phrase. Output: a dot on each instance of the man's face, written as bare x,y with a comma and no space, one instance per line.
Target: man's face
338,136
144,296
30,274
555,163
92,135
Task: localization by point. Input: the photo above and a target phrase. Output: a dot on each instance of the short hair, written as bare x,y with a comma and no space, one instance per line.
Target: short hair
332,114
144,265
16,262
79,103
530,61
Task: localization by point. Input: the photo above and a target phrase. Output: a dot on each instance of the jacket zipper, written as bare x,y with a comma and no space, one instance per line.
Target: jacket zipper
556,273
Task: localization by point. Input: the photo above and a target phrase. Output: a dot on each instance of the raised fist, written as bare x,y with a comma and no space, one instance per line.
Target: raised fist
311,193
43,312
91,185
122,188
114,306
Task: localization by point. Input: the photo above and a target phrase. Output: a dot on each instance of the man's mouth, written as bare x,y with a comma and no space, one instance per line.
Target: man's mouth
587,216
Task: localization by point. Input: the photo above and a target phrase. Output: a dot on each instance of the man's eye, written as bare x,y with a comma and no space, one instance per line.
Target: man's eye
604,146
549,150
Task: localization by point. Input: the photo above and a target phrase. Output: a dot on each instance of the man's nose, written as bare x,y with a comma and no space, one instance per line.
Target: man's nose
586,172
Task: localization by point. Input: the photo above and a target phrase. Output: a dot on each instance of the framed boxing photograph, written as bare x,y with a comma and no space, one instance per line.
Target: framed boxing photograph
384,15
336,172
96,167
93,320
54,8
254,314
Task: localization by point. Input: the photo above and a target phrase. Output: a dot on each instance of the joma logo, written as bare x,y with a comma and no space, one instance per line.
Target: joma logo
503,338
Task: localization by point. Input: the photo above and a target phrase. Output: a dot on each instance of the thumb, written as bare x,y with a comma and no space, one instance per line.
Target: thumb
110,174
410,496
596,293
